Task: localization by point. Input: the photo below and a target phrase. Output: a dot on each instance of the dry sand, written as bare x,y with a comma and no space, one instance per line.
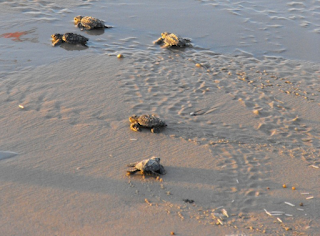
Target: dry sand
65,139
72,136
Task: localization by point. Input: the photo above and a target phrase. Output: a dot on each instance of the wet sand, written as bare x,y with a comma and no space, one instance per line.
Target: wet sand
239,128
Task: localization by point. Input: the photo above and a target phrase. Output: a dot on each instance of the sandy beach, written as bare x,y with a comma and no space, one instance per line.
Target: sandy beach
241,149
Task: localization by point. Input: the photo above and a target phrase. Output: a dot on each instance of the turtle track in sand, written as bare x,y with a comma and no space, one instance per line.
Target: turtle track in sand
269,93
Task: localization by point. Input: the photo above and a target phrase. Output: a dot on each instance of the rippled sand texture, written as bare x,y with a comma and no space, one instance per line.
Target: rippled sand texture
242,121
252,119
285,28
249,113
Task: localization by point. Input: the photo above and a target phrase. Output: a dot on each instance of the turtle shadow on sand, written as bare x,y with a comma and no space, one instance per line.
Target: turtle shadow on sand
95,32
73,47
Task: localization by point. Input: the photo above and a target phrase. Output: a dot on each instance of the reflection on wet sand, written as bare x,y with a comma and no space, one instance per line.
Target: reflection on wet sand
73,47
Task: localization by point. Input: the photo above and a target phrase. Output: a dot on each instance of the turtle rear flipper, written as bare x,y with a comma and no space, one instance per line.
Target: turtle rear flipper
135,127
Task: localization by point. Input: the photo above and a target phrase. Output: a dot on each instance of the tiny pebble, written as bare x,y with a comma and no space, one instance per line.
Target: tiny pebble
172,233
293,188
120,56
198,65
301,204
256,112
284,186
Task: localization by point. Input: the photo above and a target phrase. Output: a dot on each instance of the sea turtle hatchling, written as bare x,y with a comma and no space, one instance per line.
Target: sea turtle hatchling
89,23
146,121
71,38
172,40
147,166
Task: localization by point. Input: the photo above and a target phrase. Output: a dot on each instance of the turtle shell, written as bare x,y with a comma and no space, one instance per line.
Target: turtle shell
150,121
74,38
151,165
170,39
89,22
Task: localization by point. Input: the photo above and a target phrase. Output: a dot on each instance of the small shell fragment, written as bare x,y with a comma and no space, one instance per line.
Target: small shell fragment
279,219
310,197
21,106
147,201
290,204
267,212
219,221
317,167
224,212
276,212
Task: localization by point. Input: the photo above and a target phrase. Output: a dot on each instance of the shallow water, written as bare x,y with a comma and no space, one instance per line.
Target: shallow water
260,28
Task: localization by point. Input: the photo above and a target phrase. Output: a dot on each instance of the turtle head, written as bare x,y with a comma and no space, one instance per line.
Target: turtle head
77,19
164,34
56,36
133,118
157,159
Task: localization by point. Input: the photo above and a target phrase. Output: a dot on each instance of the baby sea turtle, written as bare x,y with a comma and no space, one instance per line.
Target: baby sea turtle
172,40
72,38
147,166
146,121
89,23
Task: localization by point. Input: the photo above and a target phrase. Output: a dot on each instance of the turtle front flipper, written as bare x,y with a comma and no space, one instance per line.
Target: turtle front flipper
159,41
80,26
131,172
135,127
132,164
57,42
